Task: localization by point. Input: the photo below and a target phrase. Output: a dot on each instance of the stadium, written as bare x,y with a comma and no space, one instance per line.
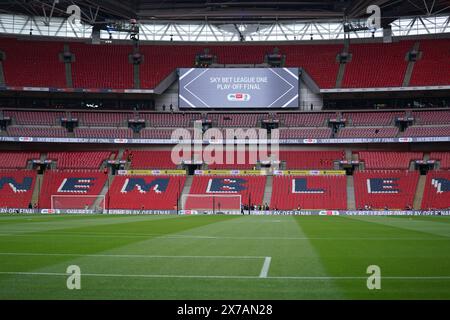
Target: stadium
249,150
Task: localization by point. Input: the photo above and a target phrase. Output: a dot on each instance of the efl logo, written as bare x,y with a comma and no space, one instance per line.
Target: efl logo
239,97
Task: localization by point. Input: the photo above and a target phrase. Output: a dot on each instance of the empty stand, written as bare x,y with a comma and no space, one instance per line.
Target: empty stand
375,65
17,160
442,157
155,159
111,133
55,132
104,66
381,189
309,192
416,131
79,160
431,117
305,133
33,63
367,132
437,191
310,159
16,188
432,68
145,192
372,118
388,159
70,187
35,117
251,189
99,119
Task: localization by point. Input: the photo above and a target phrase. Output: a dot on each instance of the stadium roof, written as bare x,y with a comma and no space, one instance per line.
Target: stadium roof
97,11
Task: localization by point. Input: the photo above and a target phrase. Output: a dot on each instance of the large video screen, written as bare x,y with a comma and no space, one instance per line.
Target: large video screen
238,88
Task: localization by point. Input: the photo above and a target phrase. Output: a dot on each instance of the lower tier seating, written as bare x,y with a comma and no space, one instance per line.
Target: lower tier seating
19,160
79,160
16,188
145,192
309,192
437,191
250,188
392,189
72,190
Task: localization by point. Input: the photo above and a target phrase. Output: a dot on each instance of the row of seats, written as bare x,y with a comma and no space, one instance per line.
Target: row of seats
243,120
284,133
39,63
162,159
379,189
388,159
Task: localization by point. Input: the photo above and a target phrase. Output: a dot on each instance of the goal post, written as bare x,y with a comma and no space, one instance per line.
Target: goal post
212,203
96,203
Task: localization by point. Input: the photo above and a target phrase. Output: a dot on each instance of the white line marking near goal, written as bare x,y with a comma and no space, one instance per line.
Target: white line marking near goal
31,233
106,275
265,267
125,255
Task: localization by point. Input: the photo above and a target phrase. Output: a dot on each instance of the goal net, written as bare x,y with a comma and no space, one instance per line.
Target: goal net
212,203
96,203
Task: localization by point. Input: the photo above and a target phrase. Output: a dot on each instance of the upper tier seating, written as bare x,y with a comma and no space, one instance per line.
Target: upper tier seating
35,117
443,157
415,131
251,189
111,133
17,159
367,132
309,192
437,190
310,159
432,117
372,118
104,66
38,63
388,159
71,189
375,65
79,160
145,192
33,63
433,68
54,132
384,188
16,188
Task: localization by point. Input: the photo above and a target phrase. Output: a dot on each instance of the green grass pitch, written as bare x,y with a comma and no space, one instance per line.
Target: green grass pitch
224,257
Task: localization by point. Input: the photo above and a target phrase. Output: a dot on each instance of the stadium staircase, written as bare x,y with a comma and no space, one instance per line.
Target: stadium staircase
268,189
37,188
186,190
97,202
351,204
410,67
68,67
419,192
2,74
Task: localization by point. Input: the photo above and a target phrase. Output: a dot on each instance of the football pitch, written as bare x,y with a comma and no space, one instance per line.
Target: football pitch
224,257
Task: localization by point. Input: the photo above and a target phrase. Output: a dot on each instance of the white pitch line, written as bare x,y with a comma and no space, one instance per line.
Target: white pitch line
106,275
124,255
31,233
265,267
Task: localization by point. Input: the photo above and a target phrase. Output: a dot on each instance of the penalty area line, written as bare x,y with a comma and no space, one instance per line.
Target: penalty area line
265,267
